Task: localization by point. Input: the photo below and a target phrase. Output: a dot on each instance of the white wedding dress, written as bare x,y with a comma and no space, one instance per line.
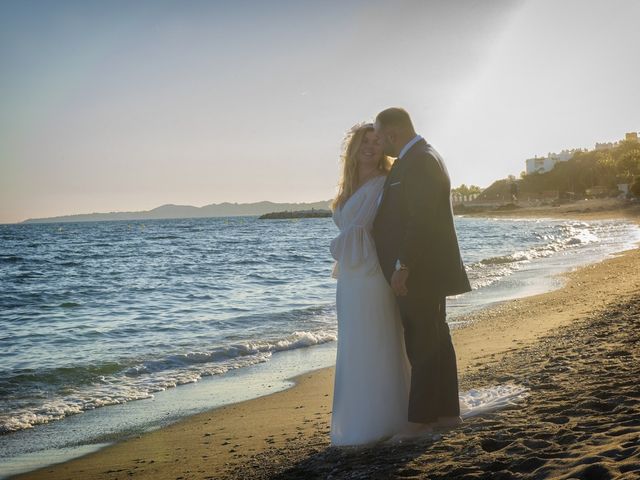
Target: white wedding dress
373,374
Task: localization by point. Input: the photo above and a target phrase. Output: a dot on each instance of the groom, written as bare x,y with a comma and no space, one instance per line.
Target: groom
418,251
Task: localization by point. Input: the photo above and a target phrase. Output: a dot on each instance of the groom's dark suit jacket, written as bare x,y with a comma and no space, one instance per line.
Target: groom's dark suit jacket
414,223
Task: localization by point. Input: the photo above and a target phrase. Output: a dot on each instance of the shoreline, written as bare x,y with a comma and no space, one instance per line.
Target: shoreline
595,209
228,437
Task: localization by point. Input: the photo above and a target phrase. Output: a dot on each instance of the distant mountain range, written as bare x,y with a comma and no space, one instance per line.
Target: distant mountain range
187,211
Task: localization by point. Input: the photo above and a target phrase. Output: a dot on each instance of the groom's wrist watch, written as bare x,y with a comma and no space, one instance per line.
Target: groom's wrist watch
400,266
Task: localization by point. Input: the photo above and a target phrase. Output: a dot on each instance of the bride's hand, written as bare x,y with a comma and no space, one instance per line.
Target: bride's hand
399,282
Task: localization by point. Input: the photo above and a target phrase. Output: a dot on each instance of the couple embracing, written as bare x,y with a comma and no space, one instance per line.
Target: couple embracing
397,259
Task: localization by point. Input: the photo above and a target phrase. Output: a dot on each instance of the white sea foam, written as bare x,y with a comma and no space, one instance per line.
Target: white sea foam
482,400
565,236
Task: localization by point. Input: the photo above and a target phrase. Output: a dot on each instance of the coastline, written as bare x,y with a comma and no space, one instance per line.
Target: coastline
221,441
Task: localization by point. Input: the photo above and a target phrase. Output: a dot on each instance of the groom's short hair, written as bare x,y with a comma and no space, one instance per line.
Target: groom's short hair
395,117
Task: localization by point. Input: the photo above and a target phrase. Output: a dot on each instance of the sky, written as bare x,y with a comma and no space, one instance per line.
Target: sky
125,106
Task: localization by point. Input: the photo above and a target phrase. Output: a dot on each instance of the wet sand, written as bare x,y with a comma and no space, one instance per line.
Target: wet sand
575,348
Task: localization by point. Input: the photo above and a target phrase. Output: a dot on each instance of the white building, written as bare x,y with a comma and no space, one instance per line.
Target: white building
546,164
629,137
606,145
540,165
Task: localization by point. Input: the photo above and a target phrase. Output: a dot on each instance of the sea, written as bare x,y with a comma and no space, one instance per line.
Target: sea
112,328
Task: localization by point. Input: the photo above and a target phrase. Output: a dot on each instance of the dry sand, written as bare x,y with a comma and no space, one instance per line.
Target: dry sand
575,348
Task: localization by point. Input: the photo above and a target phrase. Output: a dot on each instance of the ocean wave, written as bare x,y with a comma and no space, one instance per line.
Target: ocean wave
556,239
314,313
164,237
69,304
71,264
295,340
583,237
11,258
85,388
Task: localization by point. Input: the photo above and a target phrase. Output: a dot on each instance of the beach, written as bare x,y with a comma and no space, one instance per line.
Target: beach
200,203
574,348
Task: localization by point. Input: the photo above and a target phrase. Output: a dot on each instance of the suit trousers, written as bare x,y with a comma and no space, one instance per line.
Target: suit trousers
434,375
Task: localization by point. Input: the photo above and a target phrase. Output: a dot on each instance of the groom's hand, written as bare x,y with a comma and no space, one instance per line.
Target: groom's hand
399,282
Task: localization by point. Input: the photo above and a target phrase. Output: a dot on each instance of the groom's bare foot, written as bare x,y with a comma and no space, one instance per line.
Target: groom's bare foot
448,422
419,428
414,431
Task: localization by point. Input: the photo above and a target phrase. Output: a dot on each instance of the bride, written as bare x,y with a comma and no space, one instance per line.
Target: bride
373,373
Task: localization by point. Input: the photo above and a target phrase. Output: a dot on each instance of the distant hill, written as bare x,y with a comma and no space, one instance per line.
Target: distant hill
296,214
225,209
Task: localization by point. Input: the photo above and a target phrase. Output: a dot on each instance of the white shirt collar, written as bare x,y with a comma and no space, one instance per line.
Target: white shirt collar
409,144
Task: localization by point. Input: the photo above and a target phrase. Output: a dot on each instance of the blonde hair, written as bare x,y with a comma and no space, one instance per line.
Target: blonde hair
350,145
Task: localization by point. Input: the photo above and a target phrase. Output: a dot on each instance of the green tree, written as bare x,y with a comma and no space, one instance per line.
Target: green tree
628,165
586,169
467,190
